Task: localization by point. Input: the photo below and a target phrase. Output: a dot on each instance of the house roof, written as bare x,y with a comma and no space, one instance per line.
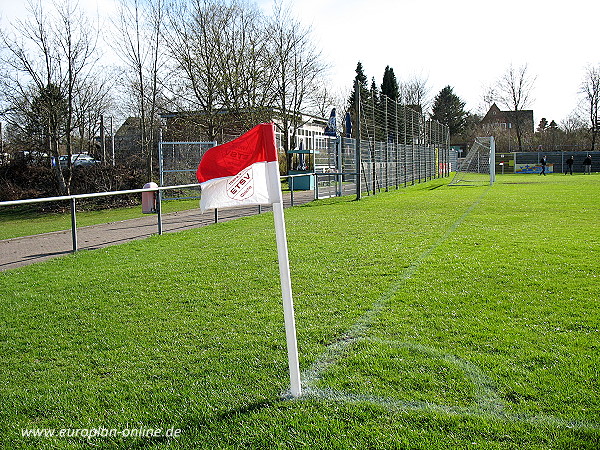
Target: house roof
495,115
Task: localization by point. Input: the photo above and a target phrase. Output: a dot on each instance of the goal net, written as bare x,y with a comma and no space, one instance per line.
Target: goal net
478,167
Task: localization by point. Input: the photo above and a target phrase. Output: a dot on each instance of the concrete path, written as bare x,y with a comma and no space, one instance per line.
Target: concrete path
21,251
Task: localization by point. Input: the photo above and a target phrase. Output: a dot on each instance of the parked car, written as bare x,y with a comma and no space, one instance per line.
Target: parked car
78,160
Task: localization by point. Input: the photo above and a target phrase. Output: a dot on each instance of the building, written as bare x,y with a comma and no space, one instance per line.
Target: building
304,137
509,119
194,126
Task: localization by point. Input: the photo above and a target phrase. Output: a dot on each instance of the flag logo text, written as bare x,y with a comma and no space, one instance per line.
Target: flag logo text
241,186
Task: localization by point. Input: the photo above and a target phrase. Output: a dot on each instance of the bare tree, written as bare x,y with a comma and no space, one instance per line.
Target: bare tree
77,42
590,88
30,84
575,129
415,93
514,90
140,47
298,72
48,65
221,63
246,75
488,98
192,36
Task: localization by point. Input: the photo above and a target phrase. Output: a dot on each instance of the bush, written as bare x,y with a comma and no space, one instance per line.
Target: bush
19,180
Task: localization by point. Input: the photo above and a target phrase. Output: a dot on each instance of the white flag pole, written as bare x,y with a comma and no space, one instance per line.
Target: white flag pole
286,284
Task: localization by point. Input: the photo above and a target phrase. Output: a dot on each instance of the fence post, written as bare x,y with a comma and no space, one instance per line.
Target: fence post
159,211
73,224
404,165
396,144
412,148
340,164
358,137
161,179
387,152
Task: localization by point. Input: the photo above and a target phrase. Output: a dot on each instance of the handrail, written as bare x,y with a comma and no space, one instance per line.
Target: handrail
72,199
94,194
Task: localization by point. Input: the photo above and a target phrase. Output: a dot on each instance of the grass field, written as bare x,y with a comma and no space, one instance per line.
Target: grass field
432,317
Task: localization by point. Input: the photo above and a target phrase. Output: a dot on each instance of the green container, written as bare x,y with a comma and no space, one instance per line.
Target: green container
305,183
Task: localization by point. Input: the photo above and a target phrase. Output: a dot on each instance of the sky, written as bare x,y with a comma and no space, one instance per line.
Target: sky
466,44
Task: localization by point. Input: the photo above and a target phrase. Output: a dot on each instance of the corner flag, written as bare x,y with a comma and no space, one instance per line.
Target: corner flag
244,172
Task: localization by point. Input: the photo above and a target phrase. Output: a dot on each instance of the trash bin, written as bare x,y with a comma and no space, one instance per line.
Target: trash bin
149,199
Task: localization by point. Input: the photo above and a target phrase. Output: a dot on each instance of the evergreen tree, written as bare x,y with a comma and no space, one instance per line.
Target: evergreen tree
362,83
448,109
389,86
391,91
45,121
361,78
374,93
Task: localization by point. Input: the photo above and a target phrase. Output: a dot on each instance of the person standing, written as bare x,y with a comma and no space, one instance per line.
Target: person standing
543,163
569,165
587,165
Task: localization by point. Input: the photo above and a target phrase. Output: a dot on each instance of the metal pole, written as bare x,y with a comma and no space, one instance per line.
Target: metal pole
73,224
358,137
102,139
387,144
112,141
404,146
291,183
492,160
160,159
396,143
412,147
447,130
159,211
216,215
340,168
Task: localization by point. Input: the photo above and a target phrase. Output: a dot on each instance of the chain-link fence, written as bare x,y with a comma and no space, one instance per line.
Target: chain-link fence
398,145
392,145
557,162
178,162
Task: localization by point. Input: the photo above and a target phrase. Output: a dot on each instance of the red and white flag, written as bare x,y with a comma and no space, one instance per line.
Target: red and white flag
242,172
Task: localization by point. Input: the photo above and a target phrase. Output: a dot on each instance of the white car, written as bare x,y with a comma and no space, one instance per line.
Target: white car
78,160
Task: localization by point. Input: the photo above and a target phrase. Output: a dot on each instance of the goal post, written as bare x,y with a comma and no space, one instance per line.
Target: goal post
478,167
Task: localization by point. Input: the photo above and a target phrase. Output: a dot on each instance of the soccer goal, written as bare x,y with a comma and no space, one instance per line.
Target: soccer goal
478,167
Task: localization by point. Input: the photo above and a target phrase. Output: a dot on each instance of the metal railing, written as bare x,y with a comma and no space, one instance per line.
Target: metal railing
72,199
73,202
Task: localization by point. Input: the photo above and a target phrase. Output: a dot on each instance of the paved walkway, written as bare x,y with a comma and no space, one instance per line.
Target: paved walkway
21,251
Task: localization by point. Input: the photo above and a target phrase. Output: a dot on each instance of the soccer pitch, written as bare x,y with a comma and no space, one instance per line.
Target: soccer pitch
430,317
